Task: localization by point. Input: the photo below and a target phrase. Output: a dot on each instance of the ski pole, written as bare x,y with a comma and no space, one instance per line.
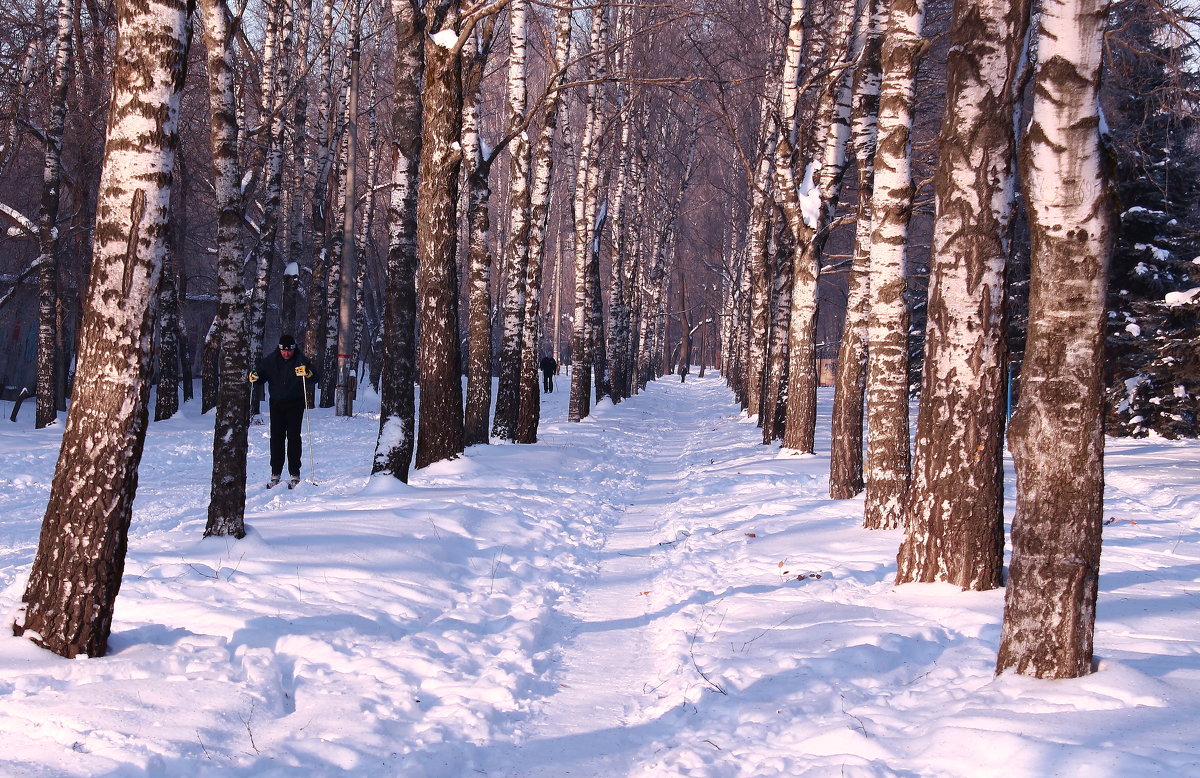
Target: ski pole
253,386
312,458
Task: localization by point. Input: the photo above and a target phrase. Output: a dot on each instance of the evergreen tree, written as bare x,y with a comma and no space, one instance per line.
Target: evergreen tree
1154,318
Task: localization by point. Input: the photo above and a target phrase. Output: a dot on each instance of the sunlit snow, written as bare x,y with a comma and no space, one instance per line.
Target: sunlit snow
649,593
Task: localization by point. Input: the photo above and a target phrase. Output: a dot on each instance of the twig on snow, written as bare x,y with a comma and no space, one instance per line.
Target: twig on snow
692,654
861,726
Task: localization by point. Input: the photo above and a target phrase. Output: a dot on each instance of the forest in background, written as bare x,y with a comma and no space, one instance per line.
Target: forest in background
926,194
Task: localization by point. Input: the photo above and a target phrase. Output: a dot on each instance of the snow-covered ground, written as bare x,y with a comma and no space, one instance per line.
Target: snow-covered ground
651,592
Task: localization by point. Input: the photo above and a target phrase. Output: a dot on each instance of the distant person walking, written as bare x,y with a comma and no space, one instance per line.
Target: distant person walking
286,370
549,367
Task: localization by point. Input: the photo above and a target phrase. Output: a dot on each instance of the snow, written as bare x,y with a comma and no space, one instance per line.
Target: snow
292,269
650,592
1160,255
446,39
810,199
1182,298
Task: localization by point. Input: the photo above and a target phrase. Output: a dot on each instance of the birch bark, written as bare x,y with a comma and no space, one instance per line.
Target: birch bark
820,191
955,515
846,457
1057,434
440,423
227,499
46,412
397,401
891,207
347,373
516,249
68,603
479,251
541,175
586,195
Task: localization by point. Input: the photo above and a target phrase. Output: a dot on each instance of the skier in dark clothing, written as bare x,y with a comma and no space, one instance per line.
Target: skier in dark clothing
286,370
549,367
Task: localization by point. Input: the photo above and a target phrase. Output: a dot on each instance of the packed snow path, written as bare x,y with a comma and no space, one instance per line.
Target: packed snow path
608,671
650,592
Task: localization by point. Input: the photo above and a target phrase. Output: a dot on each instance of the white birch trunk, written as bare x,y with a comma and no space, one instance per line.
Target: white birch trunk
891,207
846,459
479,249
46,412
586,184
68,604
397,401
1057,434
541,175
227,500
348,309
947,538
516,250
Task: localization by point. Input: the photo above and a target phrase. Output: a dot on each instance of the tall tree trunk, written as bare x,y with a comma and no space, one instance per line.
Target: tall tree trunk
596,306
48,331
301,171
479,249
1057,434
891,207
949,538
227,500
820,189
276,84
846,458
397,402
166,397
586,195
541,176
347,356
789,207
617,344
774,407
440,431
68,604
516,250
321,280
759,292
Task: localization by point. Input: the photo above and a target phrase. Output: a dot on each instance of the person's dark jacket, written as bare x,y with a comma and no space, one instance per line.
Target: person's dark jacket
280,373
548,364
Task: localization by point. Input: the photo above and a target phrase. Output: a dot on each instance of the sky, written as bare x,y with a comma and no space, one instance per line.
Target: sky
649,592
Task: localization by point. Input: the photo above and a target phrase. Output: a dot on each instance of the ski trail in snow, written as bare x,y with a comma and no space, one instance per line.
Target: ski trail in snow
607,669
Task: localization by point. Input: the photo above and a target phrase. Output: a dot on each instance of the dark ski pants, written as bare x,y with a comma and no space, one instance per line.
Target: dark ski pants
547,382
286,416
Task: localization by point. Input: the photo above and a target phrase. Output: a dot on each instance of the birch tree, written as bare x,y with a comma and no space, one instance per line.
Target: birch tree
276,84
68,604
541,175
440,430
954,527
809,215
320,280
846,458
478,161
516,250
585,206
1057,434
227,500
48,332
348,297
891,206
397,401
